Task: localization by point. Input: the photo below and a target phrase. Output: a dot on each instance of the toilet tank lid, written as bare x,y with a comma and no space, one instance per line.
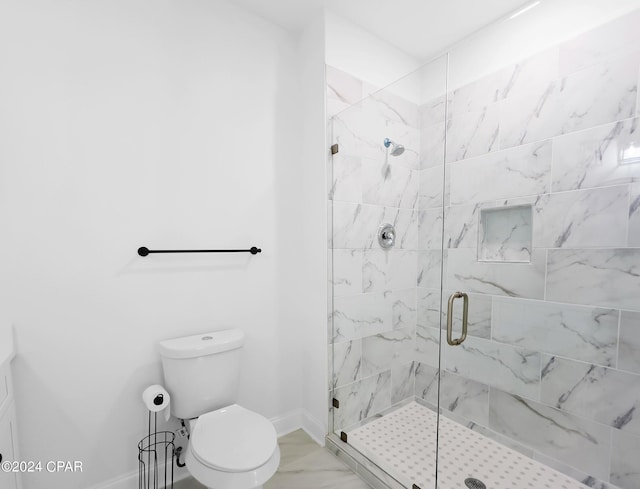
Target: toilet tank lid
201,344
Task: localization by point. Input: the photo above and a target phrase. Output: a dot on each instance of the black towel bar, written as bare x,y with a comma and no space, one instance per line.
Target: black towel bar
144,251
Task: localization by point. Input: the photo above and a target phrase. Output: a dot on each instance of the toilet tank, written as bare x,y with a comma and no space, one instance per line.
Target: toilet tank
201,372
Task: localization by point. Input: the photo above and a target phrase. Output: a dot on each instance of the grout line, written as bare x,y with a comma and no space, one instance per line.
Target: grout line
497,202
627,215
551,165
546,274
618,340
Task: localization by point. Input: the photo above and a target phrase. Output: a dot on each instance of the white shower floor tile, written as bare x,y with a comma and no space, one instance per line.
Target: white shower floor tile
403,443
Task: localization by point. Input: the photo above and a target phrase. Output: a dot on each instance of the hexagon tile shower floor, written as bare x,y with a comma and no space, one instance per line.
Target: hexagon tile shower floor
403,442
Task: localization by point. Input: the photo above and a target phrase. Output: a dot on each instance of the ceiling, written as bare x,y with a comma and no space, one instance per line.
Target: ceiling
420,28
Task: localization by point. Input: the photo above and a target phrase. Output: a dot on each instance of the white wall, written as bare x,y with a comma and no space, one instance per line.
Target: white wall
125,123
314,154
352,49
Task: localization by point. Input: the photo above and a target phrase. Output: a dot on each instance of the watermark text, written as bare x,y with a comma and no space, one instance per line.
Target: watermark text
31,466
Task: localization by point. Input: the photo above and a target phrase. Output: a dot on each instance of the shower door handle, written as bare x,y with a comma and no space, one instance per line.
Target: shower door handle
465,315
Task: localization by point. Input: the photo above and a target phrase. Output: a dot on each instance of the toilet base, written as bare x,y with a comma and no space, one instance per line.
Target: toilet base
215,479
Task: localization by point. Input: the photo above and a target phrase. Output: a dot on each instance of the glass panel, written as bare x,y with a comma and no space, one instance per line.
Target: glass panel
385,315
542,233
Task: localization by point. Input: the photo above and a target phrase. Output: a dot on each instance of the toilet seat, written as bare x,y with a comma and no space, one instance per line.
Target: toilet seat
233,439
219,479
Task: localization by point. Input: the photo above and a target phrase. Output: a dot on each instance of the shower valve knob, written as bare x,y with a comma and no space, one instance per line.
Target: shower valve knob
386,236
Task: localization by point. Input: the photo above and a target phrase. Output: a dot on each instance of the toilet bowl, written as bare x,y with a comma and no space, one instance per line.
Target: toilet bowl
232,448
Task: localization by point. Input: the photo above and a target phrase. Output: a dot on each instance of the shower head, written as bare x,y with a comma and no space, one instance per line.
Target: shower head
396,149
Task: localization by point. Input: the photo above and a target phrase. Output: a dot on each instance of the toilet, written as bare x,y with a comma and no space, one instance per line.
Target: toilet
230,447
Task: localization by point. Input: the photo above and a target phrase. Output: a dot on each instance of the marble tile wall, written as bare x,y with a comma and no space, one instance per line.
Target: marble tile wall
551,366
554,366
375,305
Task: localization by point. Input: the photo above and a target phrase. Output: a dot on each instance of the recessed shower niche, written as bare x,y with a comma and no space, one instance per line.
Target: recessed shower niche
505,234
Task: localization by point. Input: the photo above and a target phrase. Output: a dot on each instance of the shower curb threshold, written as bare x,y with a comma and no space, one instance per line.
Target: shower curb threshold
361,465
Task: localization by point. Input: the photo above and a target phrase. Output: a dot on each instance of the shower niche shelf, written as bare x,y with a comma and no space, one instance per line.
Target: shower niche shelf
505,234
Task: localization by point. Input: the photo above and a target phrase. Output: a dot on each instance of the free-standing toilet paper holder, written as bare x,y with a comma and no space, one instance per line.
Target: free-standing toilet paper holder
156,452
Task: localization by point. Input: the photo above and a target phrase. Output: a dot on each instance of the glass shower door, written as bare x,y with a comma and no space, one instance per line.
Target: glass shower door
516,187
386,204
541,232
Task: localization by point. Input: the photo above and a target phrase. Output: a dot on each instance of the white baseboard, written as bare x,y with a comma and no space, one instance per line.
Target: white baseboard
288,422
300,419
284,424
313,427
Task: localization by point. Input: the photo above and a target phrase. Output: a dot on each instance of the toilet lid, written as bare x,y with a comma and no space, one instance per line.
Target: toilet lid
233,439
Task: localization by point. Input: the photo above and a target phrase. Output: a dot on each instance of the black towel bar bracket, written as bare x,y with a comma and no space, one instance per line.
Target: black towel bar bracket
144,251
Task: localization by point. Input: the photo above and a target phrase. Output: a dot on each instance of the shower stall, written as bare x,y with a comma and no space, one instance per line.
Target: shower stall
484,322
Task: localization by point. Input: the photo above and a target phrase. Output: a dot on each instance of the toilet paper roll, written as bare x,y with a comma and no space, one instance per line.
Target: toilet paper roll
157,399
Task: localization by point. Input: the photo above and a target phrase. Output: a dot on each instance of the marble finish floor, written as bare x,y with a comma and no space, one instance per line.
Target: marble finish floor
303,464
